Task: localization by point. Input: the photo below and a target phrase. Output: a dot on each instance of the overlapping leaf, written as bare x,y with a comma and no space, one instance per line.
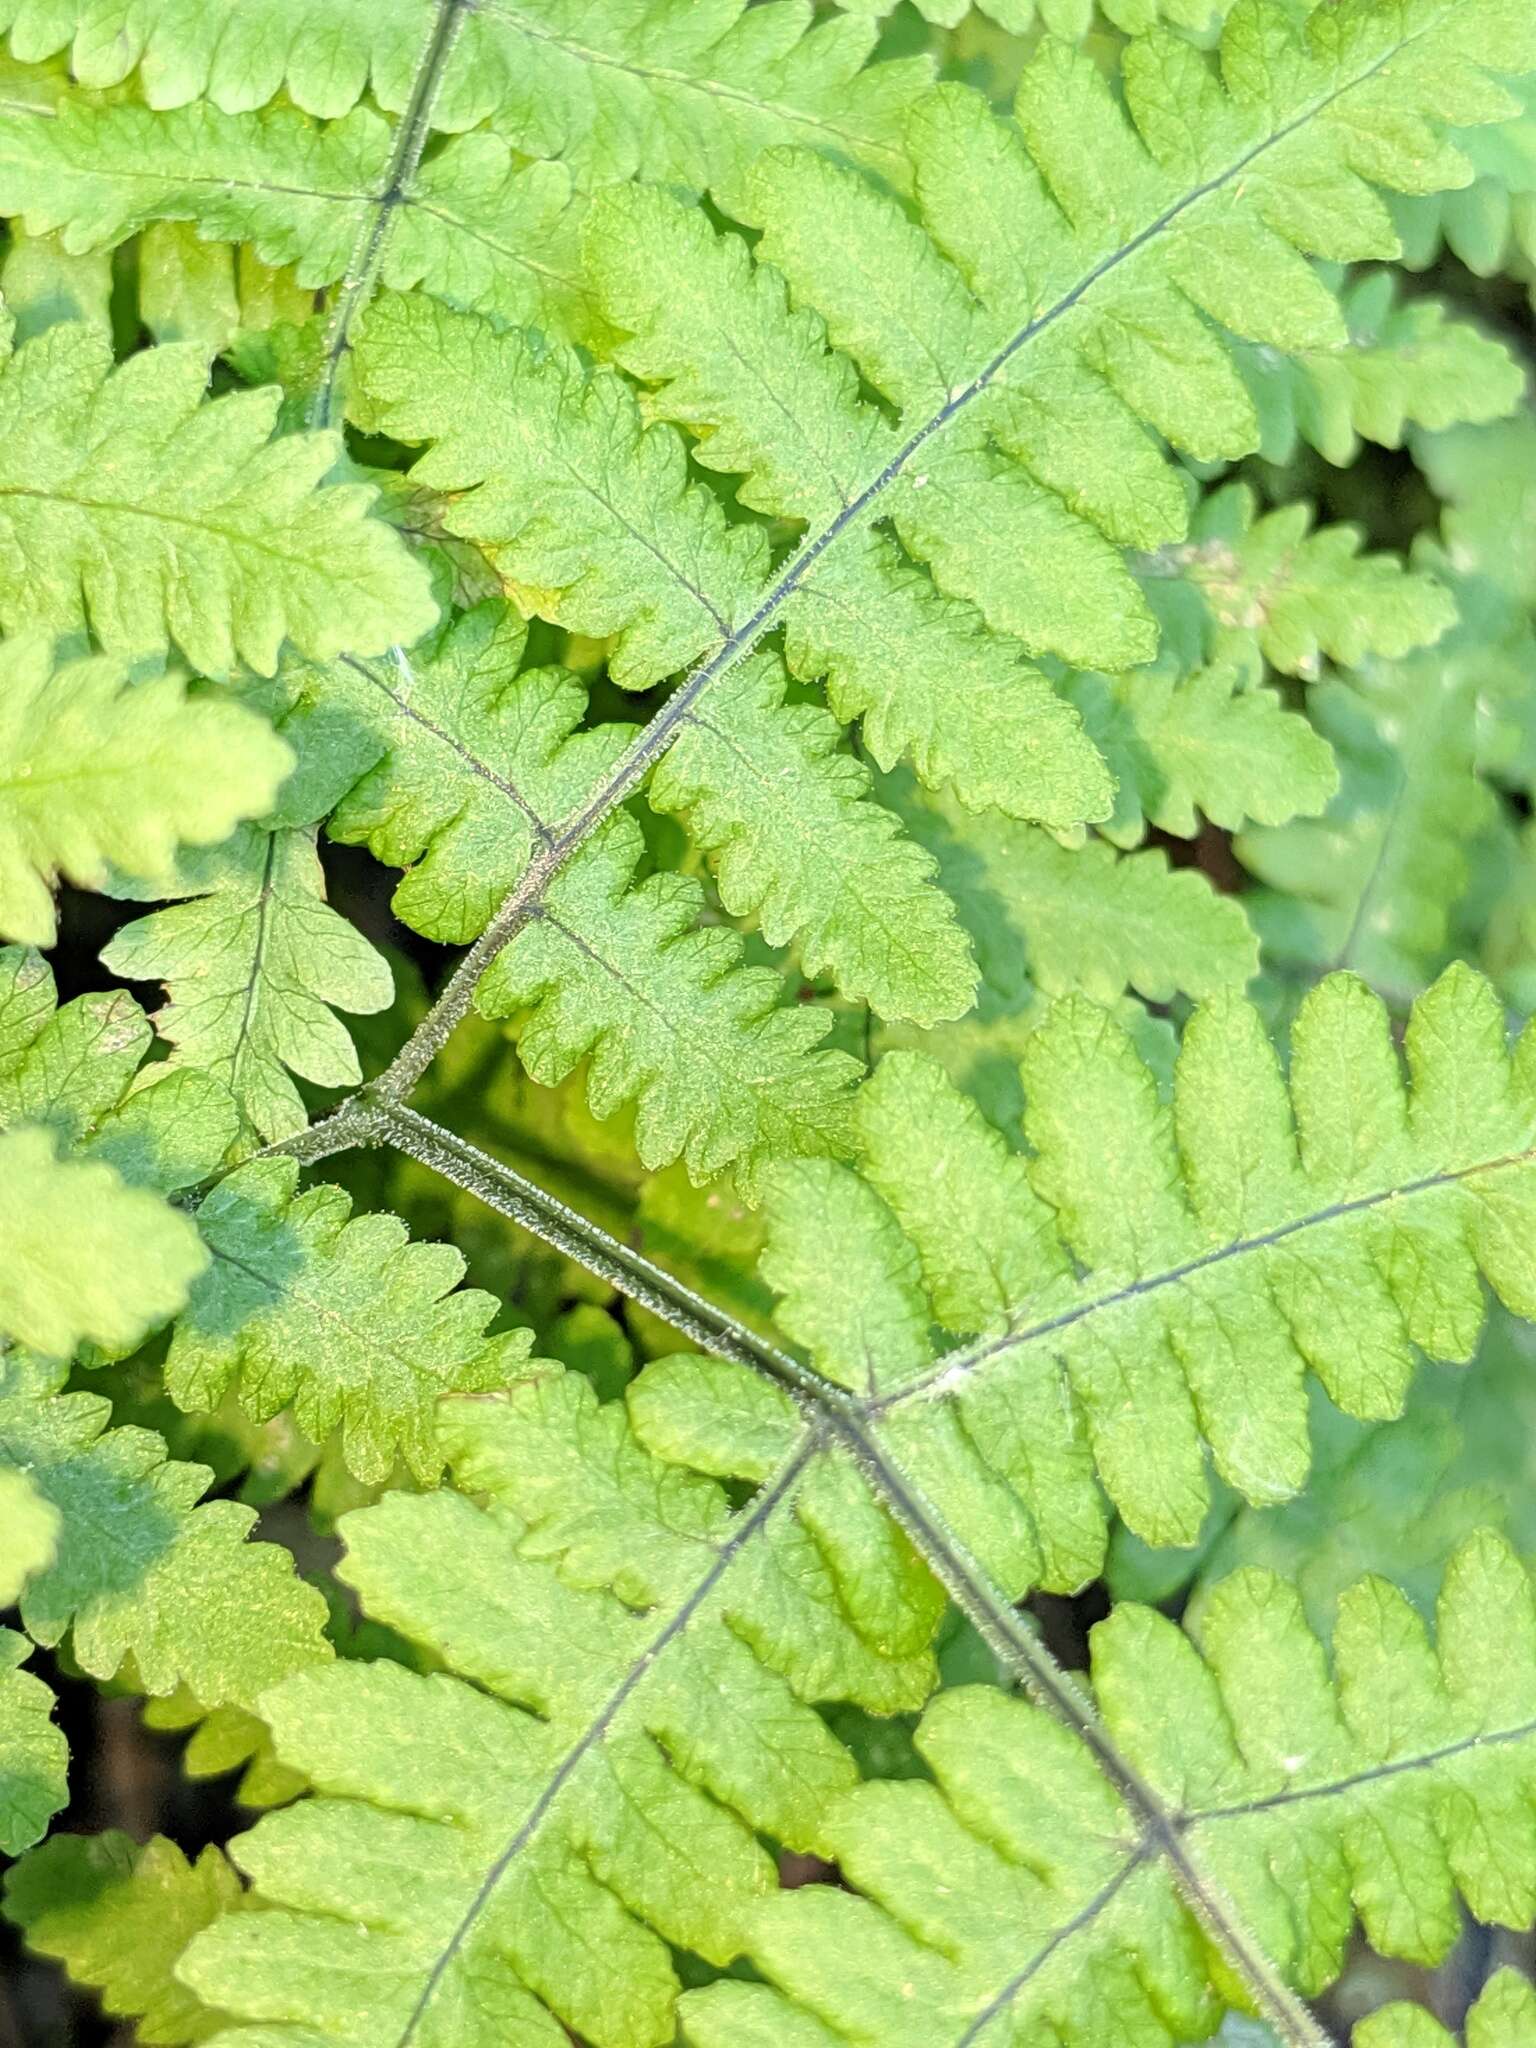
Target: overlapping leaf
130,505
572,1792
253,960
94,772
1011,1895
141,1570
682,92
1156,1279
118,1915
341,1318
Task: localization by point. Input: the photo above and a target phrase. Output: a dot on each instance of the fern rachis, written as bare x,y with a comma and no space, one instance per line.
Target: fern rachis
916,429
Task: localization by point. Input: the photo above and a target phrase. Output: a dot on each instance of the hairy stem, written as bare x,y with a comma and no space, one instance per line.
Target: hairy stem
1021,1650
368,253
1009,1634
865,506
504,1189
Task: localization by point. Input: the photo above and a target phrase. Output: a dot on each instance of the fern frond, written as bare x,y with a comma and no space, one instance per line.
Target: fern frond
683,92
1088,918
89,1148
477,764
30,1524
344,1321
567,1795
482,768
1271,583
1504,2016
129,504
481,228
1489,221
253,960
1209,744
1373,884
79,1070
1392,1497
1408,365
94,772
1021,354
1227,1245
796,843
34,1757
586,513
1487,481
141,1569
1013,1894
132,1256
118,1915
482,764
722,1074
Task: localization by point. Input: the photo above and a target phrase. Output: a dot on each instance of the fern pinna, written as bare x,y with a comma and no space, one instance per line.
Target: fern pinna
957,673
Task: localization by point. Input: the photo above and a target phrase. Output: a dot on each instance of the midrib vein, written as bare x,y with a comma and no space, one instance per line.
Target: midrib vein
1142,1855
707,88
432,1033
466,758
368,251
762,1510
959,1365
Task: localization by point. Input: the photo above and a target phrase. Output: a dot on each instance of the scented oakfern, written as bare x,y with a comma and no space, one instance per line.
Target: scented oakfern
823,581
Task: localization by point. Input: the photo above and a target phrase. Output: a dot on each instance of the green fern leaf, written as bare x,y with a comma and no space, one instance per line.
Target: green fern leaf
96,772
478,765
345,1321
1205,744
683,94
33,1753
1408,364
131,1256
1489,221
29,1523
620,1808
240,57
34,1757
1043,915
1012,1890
1503,2017
605,537
1228,1245
680,92
911,664
1390,1497
1486,480
118,1915
219,539
1026,384
71,1079
795,843
481,229
141,1570
481,767
77,1070
1373,884
253,960
722,1074
1270,583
